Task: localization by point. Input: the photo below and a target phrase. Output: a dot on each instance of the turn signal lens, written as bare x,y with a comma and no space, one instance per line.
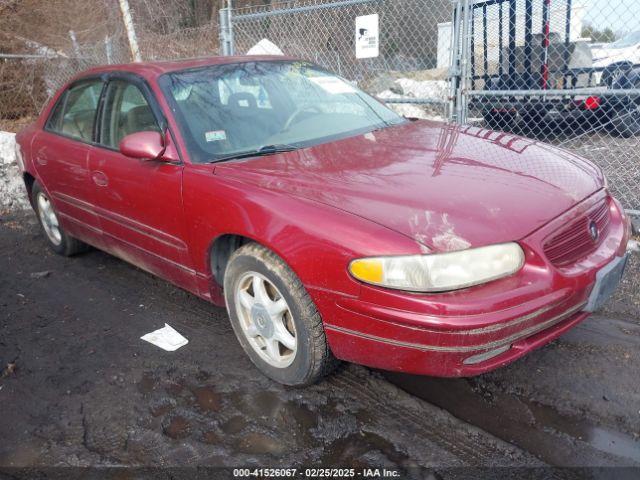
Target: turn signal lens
440,272
368,270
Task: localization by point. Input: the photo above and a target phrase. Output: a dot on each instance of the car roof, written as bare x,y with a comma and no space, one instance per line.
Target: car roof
152,70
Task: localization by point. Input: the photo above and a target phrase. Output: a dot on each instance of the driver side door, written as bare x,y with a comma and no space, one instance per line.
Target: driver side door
139,202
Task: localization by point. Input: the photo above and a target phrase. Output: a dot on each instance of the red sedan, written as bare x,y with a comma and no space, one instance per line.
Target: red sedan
329,226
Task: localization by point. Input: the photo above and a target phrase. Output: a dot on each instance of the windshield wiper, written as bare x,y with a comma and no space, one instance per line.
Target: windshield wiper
258,152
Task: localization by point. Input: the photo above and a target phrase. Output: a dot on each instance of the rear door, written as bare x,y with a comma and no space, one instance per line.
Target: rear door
139,202
61,157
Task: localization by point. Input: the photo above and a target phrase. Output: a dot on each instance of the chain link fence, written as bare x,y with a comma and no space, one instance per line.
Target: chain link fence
185,43
407,73
566,72
27,80
559,71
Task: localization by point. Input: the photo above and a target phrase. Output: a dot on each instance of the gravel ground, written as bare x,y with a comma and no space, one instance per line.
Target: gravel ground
80,388
576,401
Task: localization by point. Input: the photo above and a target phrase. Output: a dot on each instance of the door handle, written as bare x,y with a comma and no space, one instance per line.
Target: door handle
100,179
42,160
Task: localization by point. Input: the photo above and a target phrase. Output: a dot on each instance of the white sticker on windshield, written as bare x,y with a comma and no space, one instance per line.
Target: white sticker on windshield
215,135
332,85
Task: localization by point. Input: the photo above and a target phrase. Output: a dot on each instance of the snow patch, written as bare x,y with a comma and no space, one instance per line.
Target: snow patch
437,89
265,47
432,89
12,192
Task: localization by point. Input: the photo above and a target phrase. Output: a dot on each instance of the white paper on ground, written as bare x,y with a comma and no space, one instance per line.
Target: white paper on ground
167,338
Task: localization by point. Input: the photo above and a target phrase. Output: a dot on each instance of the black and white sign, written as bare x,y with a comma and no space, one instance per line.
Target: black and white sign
367,36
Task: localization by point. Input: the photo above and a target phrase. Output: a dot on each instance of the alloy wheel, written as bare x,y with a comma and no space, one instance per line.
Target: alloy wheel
49,219
266,319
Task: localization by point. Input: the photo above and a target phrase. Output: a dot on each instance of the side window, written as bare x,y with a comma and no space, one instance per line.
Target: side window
55,117
126,111
79,115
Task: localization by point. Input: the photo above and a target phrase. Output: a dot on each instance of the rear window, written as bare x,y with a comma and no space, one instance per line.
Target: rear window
55,118
75,113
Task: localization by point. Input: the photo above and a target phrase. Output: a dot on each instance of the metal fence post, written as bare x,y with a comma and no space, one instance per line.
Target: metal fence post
465,46
226,30
232,48
223,31
74,43
454,63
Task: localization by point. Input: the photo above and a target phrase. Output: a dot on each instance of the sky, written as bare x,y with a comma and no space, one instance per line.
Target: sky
619,15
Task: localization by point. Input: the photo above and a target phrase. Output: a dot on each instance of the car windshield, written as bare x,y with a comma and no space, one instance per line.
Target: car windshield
237,108
627,41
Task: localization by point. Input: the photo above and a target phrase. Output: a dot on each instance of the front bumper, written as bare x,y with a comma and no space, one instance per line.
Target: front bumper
472,331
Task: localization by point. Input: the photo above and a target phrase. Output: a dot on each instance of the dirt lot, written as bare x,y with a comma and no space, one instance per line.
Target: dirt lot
85,390
78,387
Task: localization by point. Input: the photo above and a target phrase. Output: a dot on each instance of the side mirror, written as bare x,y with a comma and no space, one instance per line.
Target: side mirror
143,146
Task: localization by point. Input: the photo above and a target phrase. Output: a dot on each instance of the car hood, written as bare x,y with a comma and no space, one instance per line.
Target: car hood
447,187
603,57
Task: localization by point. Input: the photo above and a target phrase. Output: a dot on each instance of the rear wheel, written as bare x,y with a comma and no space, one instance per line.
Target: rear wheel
626,122
59,240
502,121
274,318
614,72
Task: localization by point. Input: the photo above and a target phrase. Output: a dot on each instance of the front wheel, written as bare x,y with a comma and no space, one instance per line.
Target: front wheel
274,318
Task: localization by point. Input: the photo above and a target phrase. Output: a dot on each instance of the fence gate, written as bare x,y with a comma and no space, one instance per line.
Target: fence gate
531,67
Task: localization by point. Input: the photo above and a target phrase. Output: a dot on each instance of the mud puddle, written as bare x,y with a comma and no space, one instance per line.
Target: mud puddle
555,438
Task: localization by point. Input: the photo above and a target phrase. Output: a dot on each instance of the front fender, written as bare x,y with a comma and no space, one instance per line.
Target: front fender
316,241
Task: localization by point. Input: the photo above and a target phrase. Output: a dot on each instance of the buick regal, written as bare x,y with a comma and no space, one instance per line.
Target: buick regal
330,227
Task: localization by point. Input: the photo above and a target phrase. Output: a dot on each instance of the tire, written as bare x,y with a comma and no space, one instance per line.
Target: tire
626,122
501,121
612,73
60,241
258,330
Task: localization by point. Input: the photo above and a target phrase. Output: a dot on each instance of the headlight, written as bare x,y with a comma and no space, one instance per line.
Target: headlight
441,271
